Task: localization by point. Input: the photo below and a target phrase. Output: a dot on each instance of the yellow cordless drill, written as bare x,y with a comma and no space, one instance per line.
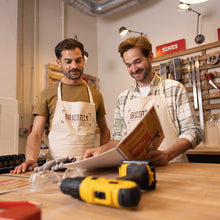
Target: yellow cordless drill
123,192
103,191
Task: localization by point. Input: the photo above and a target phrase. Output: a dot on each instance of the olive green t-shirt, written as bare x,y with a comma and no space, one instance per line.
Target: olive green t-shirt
46,102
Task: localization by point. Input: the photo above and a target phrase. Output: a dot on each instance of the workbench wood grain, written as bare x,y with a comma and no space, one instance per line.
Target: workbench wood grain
183,191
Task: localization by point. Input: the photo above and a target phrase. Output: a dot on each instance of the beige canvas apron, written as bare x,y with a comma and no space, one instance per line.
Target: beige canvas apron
136,108
73,128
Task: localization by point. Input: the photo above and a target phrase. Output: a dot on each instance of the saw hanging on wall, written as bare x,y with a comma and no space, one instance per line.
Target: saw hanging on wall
171,70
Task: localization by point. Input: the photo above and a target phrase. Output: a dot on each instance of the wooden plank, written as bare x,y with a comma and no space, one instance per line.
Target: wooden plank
209,66
204,87
54,75
54,67
211,106
212,95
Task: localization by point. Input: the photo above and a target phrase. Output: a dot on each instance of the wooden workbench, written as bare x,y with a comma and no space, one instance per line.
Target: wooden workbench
204,150
183,191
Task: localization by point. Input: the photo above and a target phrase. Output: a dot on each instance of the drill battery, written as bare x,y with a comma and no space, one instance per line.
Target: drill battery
141,172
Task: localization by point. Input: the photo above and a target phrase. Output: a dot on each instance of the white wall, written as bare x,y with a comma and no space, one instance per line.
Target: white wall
86,29
8,46
8,56
162,23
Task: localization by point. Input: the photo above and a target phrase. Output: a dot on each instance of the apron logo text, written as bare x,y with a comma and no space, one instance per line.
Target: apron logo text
76,118
137,114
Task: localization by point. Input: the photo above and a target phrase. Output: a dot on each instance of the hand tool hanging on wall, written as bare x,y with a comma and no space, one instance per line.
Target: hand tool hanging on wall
163,70
194,84
189,71
213,59
175,69
209,77
201,116
171,68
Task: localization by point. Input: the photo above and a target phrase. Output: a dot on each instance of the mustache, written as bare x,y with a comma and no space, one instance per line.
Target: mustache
137,71
75,70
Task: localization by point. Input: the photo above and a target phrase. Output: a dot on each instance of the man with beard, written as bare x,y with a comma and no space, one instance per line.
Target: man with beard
169,97
72,109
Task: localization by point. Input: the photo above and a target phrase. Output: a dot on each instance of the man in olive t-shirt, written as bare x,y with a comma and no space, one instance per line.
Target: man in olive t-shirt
72,108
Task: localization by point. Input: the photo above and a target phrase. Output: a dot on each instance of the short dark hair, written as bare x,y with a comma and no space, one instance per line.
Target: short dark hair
68,44
141,42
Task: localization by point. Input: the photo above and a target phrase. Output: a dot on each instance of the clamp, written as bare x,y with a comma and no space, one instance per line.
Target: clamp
209,77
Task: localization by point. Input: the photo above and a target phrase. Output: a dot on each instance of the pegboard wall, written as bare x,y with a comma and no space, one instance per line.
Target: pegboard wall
199,70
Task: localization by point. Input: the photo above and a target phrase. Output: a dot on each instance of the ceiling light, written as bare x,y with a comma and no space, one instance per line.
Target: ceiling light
193,1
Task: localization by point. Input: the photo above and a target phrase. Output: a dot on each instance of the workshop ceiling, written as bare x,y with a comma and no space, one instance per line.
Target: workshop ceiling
100,7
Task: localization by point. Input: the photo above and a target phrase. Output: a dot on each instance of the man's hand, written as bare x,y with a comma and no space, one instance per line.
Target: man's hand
98,150
92,152
160,158
28,165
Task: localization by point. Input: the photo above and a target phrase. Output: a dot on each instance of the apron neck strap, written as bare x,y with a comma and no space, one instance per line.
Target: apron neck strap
161,86
89,91
59,91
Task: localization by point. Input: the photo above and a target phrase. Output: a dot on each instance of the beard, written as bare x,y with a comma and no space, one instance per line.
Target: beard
144,73
73,74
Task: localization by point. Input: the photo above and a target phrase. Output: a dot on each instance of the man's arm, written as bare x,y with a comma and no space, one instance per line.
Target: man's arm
189,129
32,145
104,130
161,158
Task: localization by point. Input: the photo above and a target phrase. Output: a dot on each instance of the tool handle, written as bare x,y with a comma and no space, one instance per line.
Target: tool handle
138,177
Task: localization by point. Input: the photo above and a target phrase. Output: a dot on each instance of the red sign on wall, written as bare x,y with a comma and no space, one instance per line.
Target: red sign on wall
171,47
85,79
218,33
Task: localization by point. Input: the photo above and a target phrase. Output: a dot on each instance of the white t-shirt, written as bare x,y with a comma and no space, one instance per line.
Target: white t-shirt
144,91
